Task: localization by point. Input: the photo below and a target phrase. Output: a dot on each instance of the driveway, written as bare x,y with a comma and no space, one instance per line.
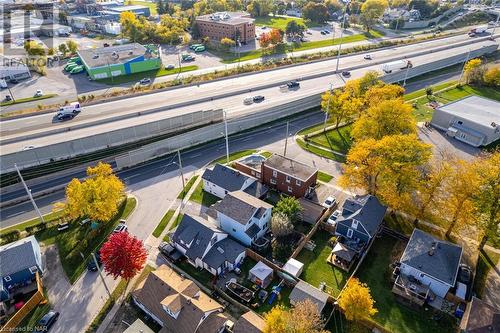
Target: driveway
54,278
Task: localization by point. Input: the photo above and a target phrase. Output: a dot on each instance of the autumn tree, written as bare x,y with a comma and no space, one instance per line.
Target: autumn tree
97,197
72,46
63,48
315,12
383,92
260,8
372,11
290,207
491,77
356,301
339,106
227,43
333,5
123,255
473,71
271,38
462,188
304,317
33,49
388,117
203,7
281,225
425,7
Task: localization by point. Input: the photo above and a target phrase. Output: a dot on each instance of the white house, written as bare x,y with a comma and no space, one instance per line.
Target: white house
206,246
431,261
222,179
243,216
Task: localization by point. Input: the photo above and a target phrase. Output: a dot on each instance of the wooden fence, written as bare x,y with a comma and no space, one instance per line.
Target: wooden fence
18,317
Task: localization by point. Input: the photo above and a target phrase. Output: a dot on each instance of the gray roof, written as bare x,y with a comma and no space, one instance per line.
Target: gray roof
367,210
303,291
290,167
196,230
432,256
225,177
104,56
481,317
225,250
241,206
230,18
257,189
17,256
252,231
475,109
138,326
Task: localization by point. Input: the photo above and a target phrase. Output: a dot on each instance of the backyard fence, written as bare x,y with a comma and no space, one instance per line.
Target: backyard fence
309,235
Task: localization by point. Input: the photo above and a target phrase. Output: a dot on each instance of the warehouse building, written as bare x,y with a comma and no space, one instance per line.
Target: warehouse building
233,25
474,120
119,60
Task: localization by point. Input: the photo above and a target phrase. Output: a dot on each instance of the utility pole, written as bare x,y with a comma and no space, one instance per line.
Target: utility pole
11,95
227,139
100,274
29,194
327,110
463,67
286,139
406,75
341,34
180,169
495,27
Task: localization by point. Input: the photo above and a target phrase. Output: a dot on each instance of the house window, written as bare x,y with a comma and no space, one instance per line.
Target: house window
355,224
275,173
460,122
290,189
7,278
225,191
287,179
298,182
349,233
273,181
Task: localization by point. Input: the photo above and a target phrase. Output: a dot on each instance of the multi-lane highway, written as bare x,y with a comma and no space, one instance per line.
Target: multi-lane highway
227,94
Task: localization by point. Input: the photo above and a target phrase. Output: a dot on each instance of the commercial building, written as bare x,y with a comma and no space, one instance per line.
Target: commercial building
119,60
474,120
13,69
233,25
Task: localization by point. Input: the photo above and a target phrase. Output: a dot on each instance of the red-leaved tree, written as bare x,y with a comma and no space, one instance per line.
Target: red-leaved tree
123,255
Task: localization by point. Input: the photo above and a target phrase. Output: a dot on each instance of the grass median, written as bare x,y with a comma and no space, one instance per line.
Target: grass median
136,77
27,99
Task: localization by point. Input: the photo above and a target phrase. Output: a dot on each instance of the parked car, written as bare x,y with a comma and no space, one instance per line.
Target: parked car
309,32
14,81
322,32
248,100
169,252
65,116
145,81
7,98
92,266
122,227
329,202
62,226
333,218
346,73
106,45
39,93
84,221
367,57
258,98
170,66
76,70
187,57
464,274
46,322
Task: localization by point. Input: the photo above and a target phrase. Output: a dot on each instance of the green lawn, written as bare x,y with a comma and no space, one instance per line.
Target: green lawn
435,88
266,154
27,99
136,77
204,198
317,270
151,5
234,156
338,140
279,22
51,217
324,177
82,239
177,220
163,223
394,317
186,189
320,152
314,128
328,42
487,260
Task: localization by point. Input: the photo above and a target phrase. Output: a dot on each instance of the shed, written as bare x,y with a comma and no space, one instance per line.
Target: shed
303,291
293,267
261,274
138,326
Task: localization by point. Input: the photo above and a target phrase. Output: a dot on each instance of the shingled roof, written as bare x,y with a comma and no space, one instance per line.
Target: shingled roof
434,257
249,322
17,256
241,206
196,231
366,209
291,167
226,177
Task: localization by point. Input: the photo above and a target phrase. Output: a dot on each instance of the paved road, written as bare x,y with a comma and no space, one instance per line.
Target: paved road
41,125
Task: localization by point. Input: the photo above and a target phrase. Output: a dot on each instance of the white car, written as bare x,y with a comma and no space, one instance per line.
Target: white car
29,147
368,57
122,227
333,218
170,66
39,93
248,100
329,202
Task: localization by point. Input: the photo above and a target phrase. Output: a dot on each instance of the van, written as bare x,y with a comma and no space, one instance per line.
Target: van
3,84
73,108
70,66
248,100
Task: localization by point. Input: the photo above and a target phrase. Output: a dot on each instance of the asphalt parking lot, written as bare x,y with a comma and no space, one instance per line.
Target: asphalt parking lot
445,146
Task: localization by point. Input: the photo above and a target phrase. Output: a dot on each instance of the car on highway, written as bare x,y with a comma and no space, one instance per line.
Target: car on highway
84,221
65,116
329,202
170,66
92,265
368,57
29,147
46,322
145,81
248,100
293,84
39,93
258,98
346,73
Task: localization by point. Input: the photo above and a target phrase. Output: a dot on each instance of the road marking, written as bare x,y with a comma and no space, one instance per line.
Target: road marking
18,213
196,155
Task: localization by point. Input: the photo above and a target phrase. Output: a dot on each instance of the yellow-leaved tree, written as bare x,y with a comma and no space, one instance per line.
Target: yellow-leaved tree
383,92
97,197
491,77
473,71
302,318
339,106
356,301
372,11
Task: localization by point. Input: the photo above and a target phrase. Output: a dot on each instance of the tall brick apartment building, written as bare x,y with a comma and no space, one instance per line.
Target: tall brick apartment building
227,25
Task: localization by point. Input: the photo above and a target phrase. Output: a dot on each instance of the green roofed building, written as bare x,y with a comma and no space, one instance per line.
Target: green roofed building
101,63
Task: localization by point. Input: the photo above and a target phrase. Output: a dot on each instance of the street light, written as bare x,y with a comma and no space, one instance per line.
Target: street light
227,139
341,34
29,194
327,110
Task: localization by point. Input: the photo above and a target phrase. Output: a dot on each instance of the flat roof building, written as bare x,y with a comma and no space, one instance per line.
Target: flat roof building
233,25
474,120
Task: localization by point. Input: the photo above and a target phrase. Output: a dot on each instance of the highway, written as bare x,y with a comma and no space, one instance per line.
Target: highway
195,98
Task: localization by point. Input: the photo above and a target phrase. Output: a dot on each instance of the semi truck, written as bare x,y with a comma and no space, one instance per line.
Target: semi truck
478,30
396,66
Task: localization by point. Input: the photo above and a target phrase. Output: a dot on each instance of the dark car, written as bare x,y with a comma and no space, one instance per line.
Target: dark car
13,81
346,73
293,84
169,252
464,274
258,99
92,266
146,80
47,321
8,98
65,116
106,45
